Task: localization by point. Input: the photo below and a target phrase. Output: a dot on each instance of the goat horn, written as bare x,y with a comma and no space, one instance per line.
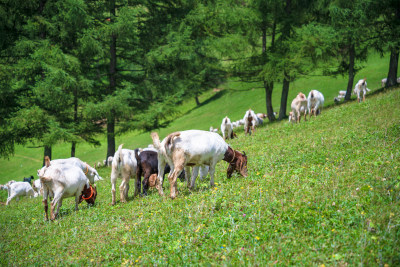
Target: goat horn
244,153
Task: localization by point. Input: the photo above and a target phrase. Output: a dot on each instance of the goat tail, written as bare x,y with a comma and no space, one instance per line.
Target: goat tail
156,140
170,138
137,155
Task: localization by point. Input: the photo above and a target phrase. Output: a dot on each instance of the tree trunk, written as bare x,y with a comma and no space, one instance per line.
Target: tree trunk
73,145
269,86
351,72
284,97
268,99
113,84
393,65
47,152
197,100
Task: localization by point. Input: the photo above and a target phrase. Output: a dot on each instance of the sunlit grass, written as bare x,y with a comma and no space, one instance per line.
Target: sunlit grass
324,192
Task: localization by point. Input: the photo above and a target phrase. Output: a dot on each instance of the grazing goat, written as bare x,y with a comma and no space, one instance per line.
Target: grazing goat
250,122
61,181
213,130
226,128
147,164
361,87
240,122
28,180
191,148
7,186
315,102
37,187
19,189
124,166
89,171
299,107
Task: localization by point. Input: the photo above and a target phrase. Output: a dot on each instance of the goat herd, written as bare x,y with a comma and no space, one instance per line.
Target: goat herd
175,154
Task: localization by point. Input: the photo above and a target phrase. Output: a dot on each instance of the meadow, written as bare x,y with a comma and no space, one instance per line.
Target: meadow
324,192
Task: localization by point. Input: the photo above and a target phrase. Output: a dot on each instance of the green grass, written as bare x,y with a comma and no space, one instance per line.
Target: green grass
322,192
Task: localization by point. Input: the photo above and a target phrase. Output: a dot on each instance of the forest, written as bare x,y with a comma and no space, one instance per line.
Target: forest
74,70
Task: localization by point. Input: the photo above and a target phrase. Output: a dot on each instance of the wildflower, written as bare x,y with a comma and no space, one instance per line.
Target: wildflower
257,238
333,230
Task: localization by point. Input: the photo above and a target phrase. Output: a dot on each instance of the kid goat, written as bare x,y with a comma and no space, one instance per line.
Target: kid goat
250,122
315,102
192,148
361,87
299,107
124,165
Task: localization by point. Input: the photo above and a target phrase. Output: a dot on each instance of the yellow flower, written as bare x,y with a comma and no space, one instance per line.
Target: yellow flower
257,238
333,230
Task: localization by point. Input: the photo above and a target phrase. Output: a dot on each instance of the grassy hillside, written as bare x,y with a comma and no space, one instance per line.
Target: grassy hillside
233,101
321,192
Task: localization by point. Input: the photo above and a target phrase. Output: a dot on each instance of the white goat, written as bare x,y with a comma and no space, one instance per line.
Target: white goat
226,128
19,189
240,122
361,87
384,81
299,107
315,102
213,130
124,166
191,148
89,171
61,181
37,187
109,161
250,121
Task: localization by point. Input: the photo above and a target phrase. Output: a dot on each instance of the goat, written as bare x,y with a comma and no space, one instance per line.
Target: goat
299,107
315,102
147,164
28,180
62,181
226,128
250,122
109,161
124,165
18,189
384,81
191,148
37,187
361,87
213,130
90,172
240,122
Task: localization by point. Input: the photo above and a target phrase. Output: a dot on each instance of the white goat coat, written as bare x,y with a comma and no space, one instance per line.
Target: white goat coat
62,181
37,186
253,118
124,166
19,189
197,147
90,172
226,128
316,102
361,87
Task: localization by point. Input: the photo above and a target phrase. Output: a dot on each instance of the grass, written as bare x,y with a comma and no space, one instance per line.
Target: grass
324,192
321,192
